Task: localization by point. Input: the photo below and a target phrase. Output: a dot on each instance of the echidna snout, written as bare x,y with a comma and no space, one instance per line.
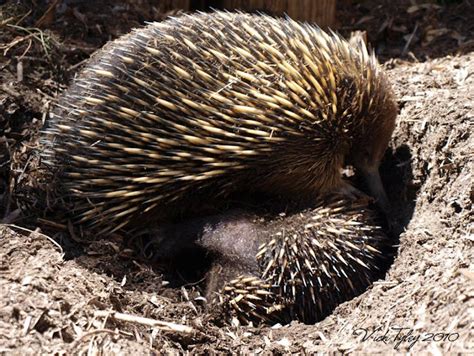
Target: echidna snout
367,153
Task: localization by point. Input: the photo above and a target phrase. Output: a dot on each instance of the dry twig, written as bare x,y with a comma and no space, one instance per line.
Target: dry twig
162,325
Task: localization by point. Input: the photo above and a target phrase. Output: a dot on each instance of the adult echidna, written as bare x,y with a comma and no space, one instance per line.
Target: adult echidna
203,105
295,267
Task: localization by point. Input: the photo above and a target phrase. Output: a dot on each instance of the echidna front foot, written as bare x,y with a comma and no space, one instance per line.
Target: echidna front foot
348,191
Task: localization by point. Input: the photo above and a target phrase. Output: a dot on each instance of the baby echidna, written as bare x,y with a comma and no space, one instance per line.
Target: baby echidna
295,267
203,105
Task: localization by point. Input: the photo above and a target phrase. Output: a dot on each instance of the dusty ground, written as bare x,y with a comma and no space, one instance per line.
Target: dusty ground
55,300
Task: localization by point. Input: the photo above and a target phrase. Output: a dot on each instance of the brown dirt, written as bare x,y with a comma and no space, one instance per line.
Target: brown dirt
55,301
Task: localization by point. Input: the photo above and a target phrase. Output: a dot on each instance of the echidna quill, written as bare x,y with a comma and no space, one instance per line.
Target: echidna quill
204,105
296,267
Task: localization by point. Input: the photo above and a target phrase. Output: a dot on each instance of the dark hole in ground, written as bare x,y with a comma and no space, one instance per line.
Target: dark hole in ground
186,267
397,178
457,207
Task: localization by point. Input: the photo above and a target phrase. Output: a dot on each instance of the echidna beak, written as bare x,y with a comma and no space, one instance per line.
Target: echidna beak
376,189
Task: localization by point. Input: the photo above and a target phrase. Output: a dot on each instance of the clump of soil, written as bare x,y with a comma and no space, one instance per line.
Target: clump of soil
103,297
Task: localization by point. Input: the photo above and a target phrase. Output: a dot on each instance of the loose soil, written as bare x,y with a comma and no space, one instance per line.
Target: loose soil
101,297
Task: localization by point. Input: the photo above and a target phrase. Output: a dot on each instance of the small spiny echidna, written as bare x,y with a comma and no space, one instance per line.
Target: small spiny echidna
295,267
204,105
